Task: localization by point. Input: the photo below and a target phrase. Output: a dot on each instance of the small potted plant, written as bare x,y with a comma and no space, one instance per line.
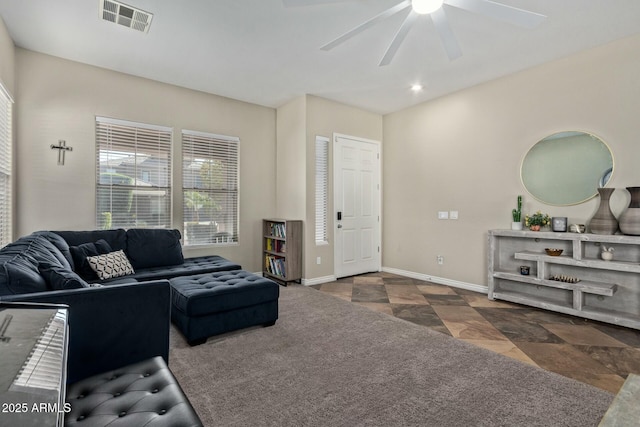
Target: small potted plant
536,221
517,216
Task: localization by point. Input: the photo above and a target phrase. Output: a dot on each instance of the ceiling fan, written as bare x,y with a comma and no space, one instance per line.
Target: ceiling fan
434,9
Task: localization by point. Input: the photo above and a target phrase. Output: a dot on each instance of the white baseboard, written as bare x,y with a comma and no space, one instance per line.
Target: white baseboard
439,280
319,280
420,276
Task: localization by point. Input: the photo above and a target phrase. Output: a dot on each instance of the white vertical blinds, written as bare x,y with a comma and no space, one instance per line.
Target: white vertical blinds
133,168
322,188
5,168
210,188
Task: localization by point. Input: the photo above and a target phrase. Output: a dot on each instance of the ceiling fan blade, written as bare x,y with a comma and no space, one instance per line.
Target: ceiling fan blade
447,37
300,3
501,12
360,28
398,38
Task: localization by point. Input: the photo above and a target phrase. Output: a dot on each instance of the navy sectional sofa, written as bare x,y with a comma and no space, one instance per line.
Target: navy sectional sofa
52,267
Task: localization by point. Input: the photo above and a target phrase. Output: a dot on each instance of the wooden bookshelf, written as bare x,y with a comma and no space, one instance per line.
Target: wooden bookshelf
282,250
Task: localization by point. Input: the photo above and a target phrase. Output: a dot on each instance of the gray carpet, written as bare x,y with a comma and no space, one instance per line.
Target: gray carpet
328,362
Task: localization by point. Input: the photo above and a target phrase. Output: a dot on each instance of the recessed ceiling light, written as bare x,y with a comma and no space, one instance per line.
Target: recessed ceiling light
417,88
127,16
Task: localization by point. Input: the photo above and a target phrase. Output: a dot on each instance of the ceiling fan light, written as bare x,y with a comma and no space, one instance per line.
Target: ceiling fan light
424,7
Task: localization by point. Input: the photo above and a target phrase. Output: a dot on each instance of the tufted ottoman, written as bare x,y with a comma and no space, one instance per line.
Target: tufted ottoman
213,303
141,394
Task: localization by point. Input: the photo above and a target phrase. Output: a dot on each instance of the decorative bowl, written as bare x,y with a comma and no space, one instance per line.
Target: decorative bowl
553,251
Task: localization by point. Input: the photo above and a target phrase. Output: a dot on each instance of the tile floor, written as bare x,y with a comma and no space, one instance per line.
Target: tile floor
592,352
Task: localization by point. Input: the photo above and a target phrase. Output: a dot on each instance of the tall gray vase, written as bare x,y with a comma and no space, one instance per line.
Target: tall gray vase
630,218
603,222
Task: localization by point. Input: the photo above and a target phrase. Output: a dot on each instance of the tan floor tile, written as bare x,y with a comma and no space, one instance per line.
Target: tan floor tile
562,358
583,335
436,290
506,348
368,280
458,313
405,294
481,300
381,307
609,382
474,330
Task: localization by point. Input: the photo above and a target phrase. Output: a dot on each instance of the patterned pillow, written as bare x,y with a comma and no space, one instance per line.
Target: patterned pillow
113,264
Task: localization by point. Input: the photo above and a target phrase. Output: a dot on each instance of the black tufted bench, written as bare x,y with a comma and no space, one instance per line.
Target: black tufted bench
141,394
213,303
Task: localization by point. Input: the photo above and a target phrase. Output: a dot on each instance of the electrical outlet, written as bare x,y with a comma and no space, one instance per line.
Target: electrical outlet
318,260
440,260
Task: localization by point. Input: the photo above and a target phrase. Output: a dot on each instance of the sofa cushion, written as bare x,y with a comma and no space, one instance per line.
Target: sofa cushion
21,276
60,244
117,239
190,267
19,264
153,247
108,266
59,278
141,394
80,254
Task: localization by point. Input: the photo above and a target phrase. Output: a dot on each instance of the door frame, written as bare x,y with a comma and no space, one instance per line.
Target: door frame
378,231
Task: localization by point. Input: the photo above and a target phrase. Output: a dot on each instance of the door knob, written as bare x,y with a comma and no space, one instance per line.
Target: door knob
339,225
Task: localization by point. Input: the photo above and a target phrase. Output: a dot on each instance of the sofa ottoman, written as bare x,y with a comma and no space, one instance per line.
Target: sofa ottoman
209,304
141,394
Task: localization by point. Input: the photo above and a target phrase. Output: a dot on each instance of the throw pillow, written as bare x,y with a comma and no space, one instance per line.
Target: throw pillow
81,252
59,277
113,264
147,247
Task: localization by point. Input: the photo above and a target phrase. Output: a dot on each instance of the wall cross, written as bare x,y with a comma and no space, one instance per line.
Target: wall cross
62,148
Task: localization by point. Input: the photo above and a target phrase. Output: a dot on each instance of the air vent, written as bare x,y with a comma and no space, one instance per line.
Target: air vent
127,16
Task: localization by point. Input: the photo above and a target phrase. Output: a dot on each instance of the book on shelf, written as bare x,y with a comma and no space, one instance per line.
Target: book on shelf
272,245
278,229
275,265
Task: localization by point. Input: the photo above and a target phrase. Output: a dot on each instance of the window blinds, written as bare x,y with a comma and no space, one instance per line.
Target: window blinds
210,188
5,168
133,167
322,188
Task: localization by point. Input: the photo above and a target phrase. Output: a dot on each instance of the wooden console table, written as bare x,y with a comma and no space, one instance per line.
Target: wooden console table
607,291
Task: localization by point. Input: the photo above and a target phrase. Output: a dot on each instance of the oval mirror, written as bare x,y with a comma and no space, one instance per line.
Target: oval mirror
567,168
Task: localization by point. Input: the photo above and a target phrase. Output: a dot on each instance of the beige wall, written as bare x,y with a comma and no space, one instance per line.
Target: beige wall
463,152
59,99
291,167
7,60
324,118
299,122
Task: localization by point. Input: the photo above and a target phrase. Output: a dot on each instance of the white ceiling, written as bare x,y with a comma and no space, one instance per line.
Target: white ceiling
261,52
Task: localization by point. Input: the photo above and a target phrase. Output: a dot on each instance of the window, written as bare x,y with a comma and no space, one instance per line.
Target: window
322,188
210,188
5,167
133,175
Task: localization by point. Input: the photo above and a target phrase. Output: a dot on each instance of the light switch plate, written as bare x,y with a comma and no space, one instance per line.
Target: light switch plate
453,214
443,215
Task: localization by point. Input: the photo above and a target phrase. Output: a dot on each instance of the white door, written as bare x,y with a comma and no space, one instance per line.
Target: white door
356,173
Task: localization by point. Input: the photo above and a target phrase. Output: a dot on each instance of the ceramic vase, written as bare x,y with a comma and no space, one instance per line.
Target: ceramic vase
603,222
630,218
